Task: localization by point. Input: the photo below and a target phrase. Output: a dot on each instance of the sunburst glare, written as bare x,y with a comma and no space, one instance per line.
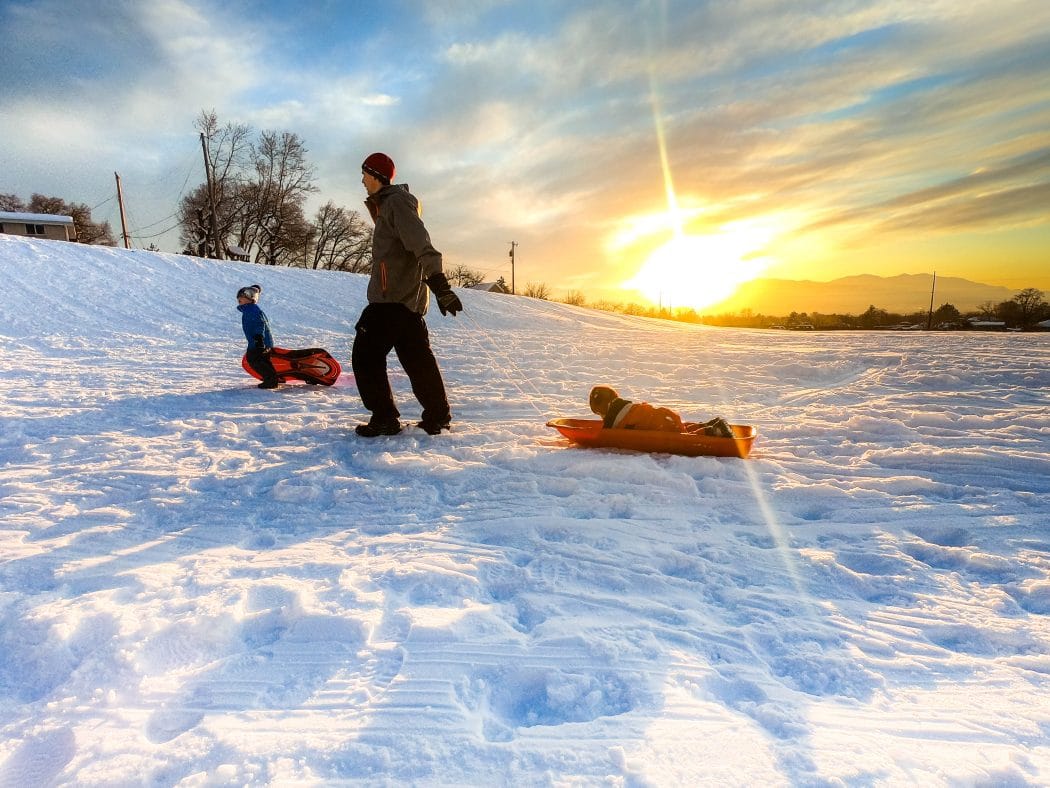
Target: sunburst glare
700,270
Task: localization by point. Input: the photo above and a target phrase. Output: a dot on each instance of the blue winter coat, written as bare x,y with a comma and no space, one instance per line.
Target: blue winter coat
254,323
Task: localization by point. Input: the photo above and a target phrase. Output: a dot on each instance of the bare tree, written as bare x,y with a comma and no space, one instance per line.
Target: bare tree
285,238
575,298
342,241
1030,305
464,277
228,157
283,180
537,290
88,231
946,314
987,310
261,186
872,318
229,148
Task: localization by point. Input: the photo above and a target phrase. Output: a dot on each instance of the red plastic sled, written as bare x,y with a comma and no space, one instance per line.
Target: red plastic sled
589,432
313,365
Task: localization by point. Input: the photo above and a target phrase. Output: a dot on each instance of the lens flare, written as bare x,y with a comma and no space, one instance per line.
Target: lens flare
700,270
695,270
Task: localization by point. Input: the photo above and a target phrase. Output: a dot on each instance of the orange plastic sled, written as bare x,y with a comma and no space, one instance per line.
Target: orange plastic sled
589,432
312,365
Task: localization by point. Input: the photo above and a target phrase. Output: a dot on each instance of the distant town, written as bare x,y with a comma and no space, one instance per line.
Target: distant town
1026,311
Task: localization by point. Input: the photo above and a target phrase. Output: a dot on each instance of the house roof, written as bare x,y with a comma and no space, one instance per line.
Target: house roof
492,287
34,218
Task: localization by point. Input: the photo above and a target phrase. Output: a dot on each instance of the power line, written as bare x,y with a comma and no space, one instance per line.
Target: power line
501,267
189,163
139,237
169,217
108,199
189,171
138,232
156,235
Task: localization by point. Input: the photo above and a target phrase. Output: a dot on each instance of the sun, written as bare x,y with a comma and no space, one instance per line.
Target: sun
701,270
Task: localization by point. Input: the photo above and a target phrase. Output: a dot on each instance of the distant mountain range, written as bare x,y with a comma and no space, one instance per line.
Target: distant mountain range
853,295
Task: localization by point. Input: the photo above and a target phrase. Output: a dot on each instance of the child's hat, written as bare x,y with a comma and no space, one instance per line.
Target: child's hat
251,292
601,397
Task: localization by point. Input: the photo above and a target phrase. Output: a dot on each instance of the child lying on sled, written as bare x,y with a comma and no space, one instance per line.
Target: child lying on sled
618,413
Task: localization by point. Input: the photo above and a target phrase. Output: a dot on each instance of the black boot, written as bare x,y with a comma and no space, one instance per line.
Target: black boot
434,427
378,427
719,428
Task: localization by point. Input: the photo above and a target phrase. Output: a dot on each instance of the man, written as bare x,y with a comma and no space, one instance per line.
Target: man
404,265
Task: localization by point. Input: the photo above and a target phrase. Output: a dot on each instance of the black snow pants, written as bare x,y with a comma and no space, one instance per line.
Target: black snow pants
386,327
260,362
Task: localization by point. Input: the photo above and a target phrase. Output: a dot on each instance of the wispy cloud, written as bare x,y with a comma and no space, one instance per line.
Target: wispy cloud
535,120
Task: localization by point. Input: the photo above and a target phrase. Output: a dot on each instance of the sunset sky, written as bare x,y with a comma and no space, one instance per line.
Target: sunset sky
672,147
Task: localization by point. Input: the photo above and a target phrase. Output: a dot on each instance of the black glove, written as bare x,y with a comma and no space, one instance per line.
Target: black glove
448,302
260,345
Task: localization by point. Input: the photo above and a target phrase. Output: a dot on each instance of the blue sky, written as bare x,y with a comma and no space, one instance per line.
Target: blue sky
804,140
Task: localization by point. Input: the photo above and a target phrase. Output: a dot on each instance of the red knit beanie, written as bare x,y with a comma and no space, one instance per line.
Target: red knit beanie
380,166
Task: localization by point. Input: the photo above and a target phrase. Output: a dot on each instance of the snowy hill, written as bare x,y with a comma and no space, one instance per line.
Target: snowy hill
203,583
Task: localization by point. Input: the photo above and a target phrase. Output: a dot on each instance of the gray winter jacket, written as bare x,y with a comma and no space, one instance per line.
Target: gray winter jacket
402,255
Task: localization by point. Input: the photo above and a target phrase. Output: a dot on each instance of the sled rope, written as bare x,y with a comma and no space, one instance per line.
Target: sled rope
507,363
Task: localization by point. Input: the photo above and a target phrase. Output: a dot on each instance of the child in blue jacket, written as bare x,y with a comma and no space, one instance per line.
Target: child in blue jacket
257,332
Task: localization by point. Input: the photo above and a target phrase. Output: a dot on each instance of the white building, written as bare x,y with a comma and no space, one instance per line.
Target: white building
38,225
491,287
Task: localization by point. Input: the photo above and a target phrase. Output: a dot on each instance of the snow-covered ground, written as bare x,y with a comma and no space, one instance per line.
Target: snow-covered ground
202,583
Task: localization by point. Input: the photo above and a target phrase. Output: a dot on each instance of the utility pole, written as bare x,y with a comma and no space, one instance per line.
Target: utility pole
211,200
929,317
512,245
123,218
